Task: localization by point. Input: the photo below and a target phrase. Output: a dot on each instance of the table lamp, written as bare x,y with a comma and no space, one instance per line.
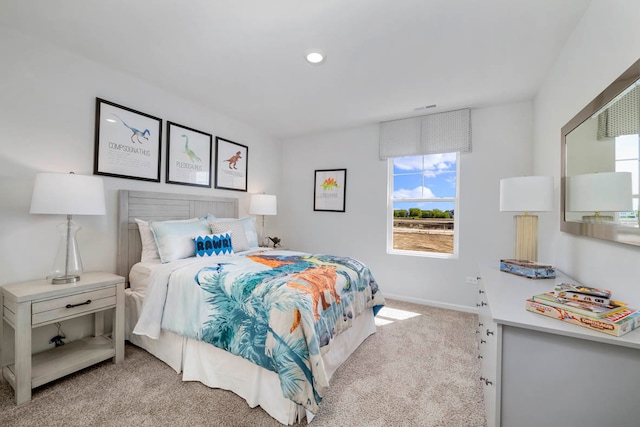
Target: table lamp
263,204
67,194
526,194
600,192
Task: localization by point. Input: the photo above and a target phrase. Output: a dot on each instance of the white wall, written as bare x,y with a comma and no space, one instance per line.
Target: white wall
603,45
501,148
47,112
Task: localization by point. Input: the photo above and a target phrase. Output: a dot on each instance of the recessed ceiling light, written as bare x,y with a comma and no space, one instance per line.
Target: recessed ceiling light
315,56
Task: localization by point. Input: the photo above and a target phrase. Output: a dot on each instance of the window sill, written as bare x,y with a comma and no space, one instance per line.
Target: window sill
421,254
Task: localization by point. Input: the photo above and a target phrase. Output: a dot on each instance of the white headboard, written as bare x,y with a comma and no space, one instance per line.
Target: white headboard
160,207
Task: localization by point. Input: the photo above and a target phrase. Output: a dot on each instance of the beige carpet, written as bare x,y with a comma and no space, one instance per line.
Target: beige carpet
422,371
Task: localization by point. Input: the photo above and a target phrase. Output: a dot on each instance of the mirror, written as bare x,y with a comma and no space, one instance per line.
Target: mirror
601,164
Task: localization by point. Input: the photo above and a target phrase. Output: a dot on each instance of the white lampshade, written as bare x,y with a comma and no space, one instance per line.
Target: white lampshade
526,194
68,194
598,192
263,204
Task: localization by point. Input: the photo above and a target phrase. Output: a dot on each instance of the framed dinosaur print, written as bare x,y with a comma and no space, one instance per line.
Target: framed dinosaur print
232,160
127,142
188,156
329,190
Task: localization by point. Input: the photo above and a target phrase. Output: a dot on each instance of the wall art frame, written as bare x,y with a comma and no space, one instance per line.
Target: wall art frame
329,190
189,153
127,142
232,160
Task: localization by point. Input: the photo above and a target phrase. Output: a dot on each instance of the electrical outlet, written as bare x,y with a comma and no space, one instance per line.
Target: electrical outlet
472,280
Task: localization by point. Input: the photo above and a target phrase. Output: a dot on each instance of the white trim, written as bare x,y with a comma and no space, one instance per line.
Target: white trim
431,303
456,217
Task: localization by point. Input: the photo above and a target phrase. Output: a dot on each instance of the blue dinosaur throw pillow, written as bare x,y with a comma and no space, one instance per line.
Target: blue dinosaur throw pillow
213,245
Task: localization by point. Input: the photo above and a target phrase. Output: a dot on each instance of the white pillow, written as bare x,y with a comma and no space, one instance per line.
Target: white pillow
175,238
249,224
149,247
238,236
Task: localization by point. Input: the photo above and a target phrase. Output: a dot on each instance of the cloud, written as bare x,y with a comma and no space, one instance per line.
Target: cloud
416,193
434,163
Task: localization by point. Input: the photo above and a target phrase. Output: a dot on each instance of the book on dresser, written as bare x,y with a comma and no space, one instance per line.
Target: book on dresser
582,293
616,324
581,307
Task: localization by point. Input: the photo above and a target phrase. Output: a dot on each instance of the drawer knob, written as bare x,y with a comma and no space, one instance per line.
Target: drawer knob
87,302
489,332
482,341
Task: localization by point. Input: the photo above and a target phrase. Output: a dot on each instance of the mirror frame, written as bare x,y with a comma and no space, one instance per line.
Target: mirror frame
612,232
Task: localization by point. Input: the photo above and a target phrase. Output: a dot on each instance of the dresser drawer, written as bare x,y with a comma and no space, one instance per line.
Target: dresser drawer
56,309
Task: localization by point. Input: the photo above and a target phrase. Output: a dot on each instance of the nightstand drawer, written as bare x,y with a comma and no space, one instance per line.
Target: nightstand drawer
53,310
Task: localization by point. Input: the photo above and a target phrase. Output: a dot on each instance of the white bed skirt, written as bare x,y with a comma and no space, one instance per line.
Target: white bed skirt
217,368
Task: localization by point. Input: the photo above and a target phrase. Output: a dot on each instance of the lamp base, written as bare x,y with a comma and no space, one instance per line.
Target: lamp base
63,280
263,239
526,245
67,266
597,218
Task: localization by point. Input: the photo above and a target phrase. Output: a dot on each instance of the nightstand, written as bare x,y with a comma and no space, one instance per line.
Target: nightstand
37,303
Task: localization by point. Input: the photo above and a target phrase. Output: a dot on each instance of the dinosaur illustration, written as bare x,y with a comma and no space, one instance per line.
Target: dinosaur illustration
329,184
192,156
233,160
315,281
137,133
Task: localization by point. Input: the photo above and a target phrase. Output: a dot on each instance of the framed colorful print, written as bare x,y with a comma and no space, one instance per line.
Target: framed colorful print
329,190
127,142
231,165
188,156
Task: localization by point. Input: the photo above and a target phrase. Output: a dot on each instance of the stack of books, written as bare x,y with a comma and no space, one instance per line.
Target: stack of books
589,307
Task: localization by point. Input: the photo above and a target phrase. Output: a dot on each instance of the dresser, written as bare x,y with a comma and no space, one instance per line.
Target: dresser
30,305
537,371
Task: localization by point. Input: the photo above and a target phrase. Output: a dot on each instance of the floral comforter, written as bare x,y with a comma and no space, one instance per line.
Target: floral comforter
279,311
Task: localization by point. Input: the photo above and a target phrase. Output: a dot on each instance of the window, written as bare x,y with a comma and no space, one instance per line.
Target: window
628,160
423,201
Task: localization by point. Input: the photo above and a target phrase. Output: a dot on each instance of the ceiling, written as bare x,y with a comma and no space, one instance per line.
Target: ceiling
245,58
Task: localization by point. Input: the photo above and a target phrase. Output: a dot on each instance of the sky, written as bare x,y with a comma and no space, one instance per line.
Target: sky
425,177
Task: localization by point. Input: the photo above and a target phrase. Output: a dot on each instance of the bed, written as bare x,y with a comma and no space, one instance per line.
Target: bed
159,302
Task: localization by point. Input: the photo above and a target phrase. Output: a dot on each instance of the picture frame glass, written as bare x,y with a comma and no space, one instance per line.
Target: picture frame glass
330,190
231,165
188,156
127,142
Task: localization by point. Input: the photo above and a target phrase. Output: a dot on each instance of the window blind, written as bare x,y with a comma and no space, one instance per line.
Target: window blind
435,133
622,118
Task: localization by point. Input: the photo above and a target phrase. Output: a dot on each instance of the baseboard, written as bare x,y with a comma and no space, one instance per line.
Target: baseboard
431,303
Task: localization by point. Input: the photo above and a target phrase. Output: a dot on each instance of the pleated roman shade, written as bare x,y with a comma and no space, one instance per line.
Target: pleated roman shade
622,117
435,133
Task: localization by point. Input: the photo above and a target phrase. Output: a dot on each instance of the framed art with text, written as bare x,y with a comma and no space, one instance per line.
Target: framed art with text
232,160
127,142
188,156
329,190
